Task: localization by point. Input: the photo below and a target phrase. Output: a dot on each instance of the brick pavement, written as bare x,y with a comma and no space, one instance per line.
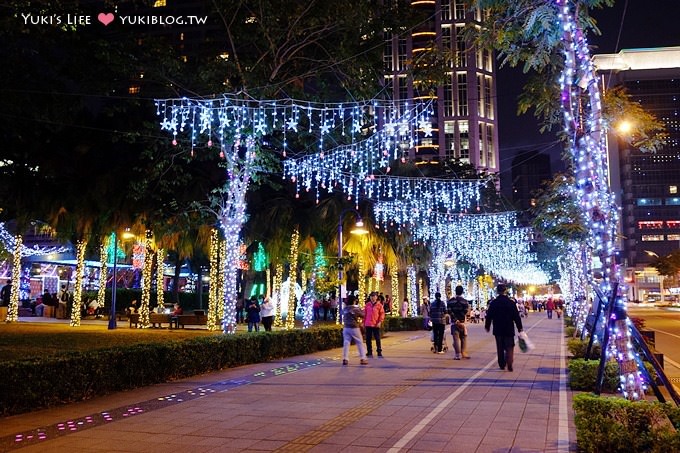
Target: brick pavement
410,401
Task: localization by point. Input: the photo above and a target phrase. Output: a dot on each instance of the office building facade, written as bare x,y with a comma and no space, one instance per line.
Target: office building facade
647,184
464,127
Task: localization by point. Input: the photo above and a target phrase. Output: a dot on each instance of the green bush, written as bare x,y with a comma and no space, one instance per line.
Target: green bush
583,375
82,375
607,424
569,331
578,347
397,323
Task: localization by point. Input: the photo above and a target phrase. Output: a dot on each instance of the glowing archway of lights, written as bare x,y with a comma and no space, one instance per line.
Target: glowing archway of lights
236,124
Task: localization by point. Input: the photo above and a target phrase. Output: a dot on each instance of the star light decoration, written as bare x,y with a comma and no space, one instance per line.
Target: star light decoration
584,125
236,124
227,116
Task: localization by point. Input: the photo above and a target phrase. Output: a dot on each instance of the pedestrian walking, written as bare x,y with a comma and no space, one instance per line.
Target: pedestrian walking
351,319
374,315
550,307
503,314
437,313
458,307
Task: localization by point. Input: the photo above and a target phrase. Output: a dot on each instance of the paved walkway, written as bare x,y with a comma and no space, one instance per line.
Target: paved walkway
412,401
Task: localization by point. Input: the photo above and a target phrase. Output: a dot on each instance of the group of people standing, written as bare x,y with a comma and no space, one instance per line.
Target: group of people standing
329,307
258,309
370,317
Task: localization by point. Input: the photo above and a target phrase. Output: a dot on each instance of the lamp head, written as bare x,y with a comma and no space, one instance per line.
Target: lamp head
359,228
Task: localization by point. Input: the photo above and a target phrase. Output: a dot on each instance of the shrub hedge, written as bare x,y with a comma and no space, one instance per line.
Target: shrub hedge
397,323
38,383
83,375
583,375
577,348
612,424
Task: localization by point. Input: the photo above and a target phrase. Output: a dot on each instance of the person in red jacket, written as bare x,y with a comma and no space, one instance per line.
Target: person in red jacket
550,307
374,315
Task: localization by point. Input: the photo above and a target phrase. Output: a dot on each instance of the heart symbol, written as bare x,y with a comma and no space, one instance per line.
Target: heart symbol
106,19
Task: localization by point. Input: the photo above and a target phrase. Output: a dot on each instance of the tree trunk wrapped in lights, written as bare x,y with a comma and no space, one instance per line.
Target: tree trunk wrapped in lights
394,282
309,296
214,272
437,273
292,278
160,281
278,281
412,288
232,218
103,272
147,269
582,109
362,280
574,283
81,245
221,279
13,309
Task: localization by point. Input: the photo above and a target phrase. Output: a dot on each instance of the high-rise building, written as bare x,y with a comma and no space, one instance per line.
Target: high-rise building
646,183
529,170
464,125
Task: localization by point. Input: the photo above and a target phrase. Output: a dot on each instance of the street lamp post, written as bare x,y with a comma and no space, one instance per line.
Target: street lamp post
112,316
358,229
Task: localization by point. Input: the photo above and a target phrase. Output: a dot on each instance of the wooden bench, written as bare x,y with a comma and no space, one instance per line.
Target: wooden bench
195,319
155,319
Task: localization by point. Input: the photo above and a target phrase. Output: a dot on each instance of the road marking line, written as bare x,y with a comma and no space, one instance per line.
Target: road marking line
563,427
401,443
667,333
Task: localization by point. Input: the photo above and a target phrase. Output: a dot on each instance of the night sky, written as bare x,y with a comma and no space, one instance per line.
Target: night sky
644,24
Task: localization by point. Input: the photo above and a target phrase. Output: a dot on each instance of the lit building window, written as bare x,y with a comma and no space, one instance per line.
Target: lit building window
649,202
673,189
134,89
652,237
673,223
673,237
462,94
673,201
650,225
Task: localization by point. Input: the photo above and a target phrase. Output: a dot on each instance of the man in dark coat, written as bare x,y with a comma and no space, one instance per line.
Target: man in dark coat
503,314
5,294
437,313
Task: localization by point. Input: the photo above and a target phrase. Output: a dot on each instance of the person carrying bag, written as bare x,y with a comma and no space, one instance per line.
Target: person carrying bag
458,307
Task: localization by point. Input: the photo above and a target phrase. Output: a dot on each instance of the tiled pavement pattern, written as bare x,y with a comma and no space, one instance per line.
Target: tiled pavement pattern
412,401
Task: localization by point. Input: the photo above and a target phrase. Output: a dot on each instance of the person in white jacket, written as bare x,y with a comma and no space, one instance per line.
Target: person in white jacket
267,314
